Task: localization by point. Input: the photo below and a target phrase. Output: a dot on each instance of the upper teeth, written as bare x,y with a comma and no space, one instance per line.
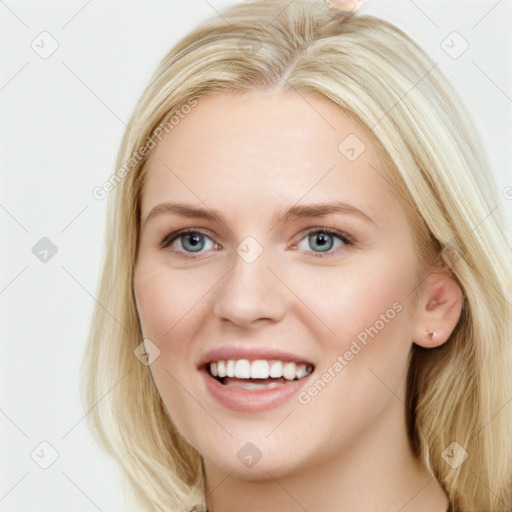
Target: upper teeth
259,369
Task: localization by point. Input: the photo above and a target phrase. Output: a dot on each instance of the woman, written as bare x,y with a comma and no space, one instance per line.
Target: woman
306,299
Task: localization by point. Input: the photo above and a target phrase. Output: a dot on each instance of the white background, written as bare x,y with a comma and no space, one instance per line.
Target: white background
61,123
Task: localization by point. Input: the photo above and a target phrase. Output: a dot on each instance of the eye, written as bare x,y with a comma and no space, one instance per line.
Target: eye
188,242
323,240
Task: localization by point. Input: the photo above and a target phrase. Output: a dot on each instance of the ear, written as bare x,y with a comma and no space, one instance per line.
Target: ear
439,307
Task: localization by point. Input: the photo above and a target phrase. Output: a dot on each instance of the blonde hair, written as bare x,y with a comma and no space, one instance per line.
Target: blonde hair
459,392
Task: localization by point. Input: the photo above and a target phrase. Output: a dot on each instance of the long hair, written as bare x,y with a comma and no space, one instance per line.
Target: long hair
459,393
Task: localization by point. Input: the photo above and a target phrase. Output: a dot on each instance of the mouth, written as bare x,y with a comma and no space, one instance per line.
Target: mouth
253,379
257,374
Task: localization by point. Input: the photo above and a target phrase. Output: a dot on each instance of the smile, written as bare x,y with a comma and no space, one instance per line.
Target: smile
258,374
249,383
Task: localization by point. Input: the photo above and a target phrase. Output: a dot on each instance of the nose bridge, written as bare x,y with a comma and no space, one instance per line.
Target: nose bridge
250,292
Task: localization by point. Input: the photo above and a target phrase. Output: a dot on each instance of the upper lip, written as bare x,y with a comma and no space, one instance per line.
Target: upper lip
226,353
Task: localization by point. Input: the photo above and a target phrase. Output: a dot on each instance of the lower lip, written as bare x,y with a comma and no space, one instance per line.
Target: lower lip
257,400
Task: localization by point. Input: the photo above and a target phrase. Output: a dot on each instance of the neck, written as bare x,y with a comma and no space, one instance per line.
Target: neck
377,472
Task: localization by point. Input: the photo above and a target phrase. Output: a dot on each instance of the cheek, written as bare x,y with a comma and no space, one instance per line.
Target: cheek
351,299
169,304
165,299
363,365
368,308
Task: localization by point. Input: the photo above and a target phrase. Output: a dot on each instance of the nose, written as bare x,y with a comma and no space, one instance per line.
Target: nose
249,294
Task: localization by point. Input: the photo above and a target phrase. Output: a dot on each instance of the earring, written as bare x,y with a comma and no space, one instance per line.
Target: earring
343,7
432,335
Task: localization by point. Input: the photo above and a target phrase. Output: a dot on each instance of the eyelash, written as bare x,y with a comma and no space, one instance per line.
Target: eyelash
170,238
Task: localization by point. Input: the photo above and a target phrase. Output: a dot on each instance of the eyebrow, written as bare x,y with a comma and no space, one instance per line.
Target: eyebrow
295,212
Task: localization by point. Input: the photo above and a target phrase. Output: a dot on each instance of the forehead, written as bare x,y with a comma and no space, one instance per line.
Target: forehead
261,148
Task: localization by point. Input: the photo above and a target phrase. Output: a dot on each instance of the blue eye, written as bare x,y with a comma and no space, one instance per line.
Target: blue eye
190,241
322,240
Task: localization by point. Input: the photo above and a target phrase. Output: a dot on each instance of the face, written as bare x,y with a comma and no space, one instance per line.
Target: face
270,238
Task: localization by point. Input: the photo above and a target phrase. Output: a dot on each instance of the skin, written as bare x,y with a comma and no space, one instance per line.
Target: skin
249,155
